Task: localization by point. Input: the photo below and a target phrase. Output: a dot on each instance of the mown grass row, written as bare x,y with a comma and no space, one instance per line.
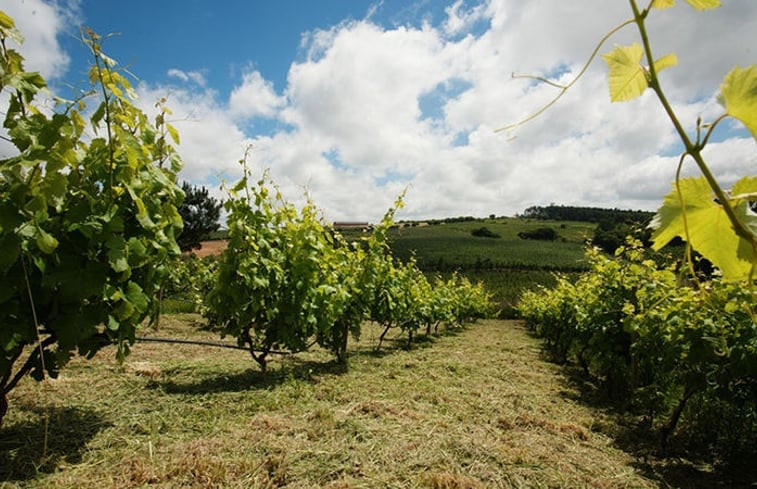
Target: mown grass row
473,409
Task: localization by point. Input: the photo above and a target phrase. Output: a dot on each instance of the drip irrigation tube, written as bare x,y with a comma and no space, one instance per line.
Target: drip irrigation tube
217,344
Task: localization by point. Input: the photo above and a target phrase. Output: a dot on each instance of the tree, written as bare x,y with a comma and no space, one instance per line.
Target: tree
543,234
200,213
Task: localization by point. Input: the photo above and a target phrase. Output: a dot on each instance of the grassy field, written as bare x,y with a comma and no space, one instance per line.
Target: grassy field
450,245
507,265
478,408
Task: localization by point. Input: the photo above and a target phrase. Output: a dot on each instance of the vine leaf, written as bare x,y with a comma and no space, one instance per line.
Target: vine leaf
8,28
709,230
628,79
697,4
173,133
738,94
666,61
744,191
704,4
663,4
6,21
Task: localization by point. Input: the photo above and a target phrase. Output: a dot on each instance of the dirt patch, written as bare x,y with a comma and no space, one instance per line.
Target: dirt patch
211,248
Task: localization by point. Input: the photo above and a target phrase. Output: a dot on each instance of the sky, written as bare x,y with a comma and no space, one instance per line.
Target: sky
353,101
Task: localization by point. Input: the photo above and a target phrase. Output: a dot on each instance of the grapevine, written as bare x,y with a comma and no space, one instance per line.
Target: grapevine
651,342
287,280
647,336
88,217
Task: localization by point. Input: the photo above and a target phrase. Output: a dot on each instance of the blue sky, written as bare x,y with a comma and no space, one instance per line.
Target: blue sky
355,100
220,40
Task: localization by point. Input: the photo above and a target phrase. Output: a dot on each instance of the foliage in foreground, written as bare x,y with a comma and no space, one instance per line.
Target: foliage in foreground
87,219
718,223
287,281
659,345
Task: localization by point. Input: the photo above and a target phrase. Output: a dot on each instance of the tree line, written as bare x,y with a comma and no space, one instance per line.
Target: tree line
587,214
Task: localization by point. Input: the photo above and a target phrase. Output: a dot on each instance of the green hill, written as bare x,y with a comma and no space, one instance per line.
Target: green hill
507,265
452,246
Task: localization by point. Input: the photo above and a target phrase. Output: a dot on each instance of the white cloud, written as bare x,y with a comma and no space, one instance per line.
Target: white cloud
211,143
41,24
371,109
459,20
362,96
254,97
358,96
195,77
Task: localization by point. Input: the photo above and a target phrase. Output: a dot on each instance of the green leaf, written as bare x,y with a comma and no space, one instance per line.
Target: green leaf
34,79
124,311
663,4
10,248
709,229
666,61
738,94
628,79
137,297
745,186
745,215
117,254
46,242
6,21
8,27
704,4
142,215
98,115
136,248
113,323
744,191
54,187
173,132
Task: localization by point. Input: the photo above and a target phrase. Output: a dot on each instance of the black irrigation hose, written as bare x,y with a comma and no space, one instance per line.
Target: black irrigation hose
179,299
217,344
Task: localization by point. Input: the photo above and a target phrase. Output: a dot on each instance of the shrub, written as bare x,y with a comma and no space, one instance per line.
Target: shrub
484,232
543,234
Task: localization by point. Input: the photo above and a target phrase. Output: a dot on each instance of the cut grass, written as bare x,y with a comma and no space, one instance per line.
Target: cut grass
473,409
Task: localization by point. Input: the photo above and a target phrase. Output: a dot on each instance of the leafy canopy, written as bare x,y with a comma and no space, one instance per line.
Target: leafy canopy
88,216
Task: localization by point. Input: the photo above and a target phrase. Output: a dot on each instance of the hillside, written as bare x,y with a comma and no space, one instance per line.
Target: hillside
450,246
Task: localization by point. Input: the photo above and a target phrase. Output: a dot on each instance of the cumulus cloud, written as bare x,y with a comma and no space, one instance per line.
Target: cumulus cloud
357,98
254,97
195,77
211,143
460,20
370,109
42,23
